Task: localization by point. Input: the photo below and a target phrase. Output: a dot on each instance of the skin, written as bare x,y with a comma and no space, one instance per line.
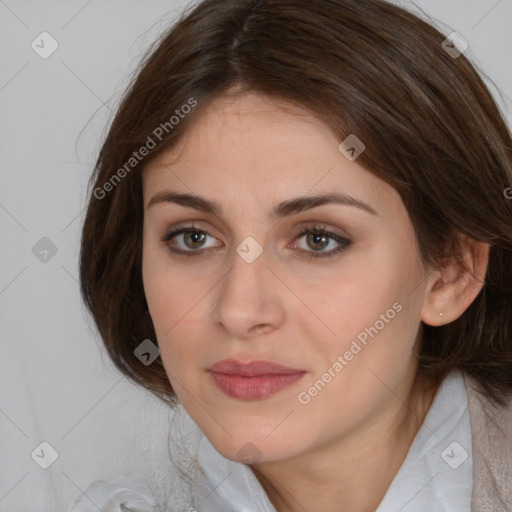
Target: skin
341,450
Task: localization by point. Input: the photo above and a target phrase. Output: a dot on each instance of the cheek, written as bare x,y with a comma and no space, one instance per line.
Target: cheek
354,299
361,368
176,305
170,290
370,314
173,312
165,302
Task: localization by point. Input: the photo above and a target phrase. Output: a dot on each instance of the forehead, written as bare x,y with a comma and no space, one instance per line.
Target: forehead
266,149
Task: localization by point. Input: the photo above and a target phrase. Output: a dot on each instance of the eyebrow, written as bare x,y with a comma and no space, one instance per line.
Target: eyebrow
281,210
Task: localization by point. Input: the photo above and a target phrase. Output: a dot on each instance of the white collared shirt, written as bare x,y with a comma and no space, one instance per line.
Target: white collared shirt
438,470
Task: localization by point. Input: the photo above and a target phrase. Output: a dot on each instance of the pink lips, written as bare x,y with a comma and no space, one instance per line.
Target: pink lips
252,381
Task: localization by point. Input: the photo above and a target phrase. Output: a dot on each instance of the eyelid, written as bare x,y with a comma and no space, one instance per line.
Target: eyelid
320,226
303,225
296,231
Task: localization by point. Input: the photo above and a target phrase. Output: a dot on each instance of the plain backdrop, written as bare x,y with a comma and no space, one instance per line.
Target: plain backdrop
56,383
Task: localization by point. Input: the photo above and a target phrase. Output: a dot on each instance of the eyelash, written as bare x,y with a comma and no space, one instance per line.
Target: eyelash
298,233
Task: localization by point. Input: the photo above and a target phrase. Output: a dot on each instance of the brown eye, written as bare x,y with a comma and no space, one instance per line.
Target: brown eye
317,241
194,239
188,241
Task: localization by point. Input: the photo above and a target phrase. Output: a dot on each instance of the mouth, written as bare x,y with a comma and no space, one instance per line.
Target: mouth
253,381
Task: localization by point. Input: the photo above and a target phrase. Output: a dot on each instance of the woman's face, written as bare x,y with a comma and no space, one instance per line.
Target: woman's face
342,310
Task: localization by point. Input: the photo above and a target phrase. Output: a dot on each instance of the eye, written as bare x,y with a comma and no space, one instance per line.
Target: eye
318,238
190,241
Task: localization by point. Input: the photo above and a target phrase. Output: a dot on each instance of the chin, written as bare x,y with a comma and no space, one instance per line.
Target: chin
253,446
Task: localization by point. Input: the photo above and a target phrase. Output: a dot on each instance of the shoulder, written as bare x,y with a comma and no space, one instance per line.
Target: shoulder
124,494
491,433
167,484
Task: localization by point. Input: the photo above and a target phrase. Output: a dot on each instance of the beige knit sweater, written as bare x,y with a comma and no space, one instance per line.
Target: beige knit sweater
491,433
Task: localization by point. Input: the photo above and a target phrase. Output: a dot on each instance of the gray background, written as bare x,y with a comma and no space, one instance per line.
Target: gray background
56,383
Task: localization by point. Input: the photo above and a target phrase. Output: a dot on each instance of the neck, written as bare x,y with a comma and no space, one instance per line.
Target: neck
354,473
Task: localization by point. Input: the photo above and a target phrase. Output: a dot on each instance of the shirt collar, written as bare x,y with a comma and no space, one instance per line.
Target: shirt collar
438,468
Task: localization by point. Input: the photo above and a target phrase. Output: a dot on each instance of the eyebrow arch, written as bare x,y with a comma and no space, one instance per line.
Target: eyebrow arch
281,210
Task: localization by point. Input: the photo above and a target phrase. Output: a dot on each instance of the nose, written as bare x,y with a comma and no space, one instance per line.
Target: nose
249,299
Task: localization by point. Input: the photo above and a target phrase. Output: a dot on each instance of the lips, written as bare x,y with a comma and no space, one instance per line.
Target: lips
253,381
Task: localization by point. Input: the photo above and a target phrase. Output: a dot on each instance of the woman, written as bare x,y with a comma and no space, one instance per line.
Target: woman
299,236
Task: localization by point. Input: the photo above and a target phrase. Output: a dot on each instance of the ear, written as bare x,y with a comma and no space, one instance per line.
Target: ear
452,289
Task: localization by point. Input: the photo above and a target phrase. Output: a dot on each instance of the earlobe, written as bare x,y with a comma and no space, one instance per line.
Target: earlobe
452,289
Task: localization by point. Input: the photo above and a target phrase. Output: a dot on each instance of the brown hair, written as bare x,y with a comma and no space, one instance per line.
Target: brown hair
367,67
